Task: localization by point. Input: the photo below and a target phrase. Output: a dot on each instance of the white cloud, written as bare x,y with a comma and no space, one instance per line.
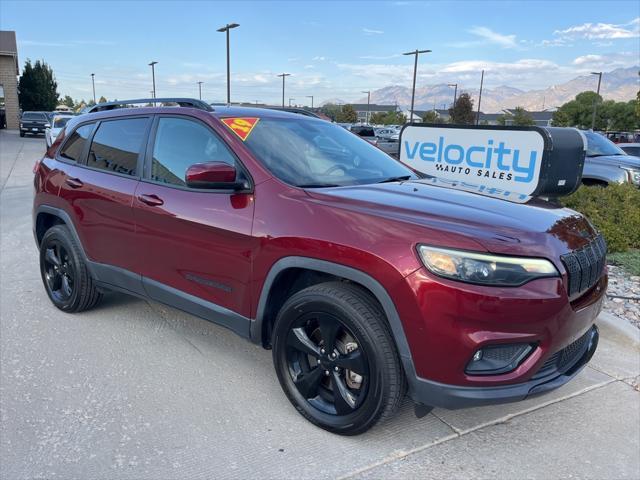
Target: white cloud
319,59
606,61
495,38
601,31
369,31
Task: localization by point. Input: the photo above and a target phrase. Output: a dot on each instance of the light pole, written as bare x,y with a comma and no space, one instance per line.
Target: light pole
311,97
226,29
480,98
290,100
368,92
283,75
200,90
415,69
595,101
93,84
455,93
153,78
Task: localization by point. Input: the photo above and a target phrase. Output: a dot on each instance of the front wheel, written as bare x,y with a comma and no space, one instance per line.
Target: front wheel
335,358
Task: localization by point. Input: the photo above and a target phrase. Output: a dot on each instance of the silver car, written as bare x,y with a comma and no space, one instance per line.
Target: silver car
58,122
607,163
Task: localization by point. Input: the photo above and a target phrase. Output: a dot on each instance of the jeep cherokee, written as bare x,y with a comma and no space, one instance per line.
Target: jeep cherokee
365,281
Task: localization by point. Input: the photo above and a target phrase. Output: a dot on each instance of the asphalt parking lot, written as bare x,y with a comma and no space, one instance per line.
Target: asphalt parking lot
134,389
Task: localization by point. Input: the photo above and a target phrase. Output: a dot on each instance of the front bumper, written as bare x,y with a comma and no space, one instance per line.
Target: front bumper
446,322
453,397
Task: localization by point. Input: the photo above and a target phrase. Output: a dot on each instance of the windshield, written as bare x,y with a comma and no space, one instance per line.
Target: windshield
33,116
316,153
59,122
598,145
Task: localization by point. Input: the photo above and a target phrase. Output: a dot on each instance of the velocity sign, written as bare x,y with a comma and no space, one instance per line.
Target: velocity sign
502,159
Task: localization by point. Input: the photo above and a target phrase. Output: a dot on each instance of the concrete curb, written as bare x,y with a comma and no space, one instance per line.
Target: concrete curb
616,328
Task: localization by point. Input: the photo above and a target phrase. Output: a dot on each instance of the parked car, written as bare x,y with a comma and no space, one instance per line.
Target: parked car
384,133
620,137
58,121
364,279
366,132
34,123
630,148
607,163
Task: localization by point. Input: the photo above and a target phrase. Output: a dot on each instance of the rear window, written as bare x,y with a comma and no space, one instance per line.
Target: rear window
73,147
33,116
116,145
364,131
59,122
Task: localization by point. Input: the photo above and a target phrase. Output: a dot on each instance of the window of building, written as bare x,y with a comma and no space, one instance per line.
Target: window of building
117,144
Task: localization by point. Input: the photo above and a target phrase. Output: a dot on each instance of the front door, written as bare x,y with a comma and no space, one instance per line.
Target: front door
196,245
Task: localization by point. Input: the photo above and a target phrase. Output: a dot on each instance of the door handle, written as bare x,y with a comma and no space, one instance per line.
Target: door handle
74,182
151,200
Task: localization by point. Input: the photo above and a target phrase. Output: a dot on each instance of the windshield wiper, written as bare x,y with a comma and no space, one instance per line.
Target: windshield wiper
395,179
317,185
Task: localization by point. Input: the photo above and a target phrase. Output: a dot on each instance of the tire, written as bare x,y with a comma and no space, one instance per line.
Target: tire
336,359
21,133
64,273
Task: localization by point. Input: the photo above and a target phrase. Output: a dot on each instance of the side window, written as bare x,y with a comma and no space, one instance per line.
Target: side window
116,145
74,147
179,144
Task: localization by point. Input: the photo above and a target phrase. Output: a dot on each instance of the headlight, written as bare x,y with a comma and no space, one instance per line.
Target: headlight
22,125
633,174
485,268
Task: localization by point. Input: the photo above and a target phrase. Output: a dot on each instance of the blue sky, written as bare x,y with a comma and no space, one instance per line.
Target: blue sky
332,49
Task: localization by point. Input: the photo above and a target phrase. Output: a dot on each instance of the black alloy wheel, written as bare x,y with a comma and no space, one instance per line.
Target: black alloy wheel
59,272
336,359
64,272
326,364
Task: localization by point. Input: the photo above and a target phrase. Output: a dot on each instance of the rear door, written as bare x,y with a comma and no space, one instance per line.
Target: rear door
100,191
195,244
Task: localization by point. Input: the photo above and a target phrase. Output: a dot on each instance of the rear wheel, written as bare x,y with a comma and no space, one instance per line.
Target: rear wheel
335,358
64,272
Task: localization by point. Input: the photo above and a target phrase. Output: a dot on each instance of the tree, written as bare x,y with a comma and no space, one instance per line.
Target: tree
347,115
462,111
388,118
520,117
37,87
431,117
610,115
68,101
102,100
578,112
331,110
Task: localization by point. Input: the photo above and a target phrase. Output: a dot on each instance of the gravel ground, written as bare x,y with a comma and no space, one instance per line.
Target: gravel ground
623,295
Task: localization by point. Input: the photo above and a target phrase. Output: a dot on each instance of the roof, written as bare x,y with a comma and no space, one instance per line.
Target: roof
539,115
8,46
373,107
236,111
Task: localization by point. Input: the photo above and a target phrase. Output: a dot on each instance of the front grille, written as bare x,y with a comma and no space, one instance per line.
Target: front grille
566,358
585,266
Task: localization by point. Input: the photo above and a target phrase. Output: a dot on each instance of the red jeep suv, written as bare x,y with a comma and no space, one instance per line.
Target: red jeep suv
366,280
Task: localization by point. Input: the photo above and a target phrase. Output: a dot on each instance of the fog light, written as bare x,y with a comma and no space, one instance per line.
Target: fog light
497,359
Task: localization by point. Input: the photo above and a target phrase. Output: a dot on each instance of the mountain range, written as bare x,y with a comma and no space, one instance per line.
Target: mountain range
620,85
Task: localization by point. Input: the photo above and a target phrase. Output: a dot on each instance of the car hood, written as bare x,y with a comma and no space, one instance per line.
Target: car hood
534,228
619,160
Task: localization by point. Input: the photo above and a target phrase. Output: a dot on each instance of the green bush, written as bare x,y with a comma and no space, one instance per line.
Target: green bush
614,210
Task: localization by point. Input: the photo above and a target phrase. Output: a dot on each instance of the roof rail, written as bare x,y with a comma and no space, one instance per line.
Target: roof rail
182,102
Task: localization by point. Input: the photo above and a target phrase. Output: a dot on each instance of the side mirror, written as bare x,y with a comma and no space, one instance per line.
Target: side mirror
213,175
